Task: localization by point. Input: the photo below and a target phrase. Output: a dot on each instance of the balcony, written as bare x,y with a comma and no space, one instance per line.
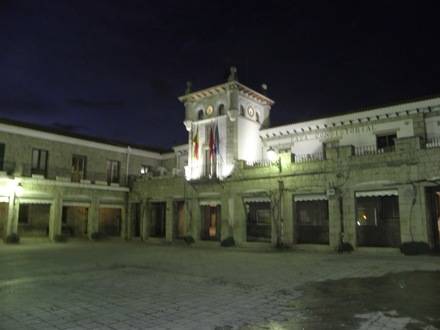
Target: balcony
433,142
62,174
305,158
372,150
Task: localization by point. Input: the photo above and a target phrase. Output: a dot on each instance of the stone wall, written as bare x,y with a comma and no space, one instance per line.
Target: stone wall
408,170
60,157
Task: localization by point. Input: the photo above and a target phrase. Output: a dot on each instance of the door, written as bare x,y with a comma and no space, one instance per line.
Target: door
179,218
433,196
210,230
311,222
258,222
158,219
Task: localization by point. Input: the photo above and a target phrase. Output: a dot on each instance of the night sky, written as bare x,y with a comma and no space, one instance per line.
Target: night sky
114,69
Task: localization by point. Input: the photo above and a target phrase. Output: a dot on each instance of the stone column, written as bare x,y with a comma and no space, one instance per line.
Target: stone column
55,214
145,219
129,221
225,230
12,221
334,221
124,223
287,219
422,218
169,220
188,215
412,213
196,220
349,215
239,220
93,217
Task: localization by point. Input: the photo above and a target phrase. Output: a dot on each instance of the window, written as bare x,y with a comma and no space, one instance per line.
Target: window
242,111
78,168
112,171
386,142
39,161
221,109
200,114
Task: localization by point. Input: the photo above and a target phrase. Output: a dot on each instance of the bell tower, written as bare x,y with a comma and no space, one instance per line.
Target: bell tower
223,123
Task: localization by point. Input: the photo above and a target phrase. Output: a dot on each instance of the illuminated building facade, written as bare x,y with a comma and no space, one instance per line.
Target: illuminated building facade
368,178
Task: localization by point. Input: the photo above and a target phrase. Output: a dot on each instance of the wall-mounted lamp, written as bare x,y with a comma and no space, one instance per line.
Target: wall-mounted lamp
18,189
273,157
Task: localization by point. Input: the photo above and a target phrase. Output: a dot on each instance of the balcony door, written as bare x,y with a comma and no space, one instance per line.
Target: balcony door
78,168
39,162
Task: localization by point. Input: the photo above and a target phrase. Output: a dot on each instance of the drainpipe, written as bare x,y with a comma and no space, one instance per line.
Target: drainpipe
128,162
127,199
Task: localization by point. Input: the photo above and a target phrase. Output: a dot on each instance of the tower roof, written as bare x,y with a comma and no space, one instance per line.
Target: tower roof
217,89
231,83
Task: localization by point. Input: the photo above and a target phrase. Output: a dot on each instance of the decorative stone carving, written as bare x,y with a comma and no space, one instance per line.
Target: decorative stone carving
188,125
188,87
232,115
233,74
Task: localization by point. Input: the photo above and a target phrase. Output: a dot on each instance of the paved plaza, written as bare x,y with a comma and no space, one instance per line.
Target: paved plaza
135,285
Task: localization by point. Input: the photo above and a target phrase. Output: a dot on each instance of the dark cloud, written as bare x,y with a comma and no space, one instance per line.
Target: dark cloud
161,87
68,127
15,105
122,64
96,104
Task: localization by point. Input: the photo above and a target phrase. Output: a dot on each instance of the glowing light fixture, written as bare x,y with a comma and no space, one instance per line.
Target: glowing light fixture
272,154
19,189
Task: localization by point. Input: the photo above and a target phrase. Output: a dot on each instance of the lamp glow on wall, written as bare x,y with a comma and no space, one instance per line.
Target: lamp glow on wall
14,187
19,189
272,155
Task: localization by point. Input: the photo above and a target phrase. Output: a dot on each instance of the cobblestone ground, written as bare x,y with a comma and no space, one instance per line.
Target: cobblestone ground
120,285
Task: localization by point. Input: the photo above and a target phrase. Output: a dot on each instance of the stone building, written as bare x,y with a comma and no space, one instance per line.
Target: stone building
370,178
53,182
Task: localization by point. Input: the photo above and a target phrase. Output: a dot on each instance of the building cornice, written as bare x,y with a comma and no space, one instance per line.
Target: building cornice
13,129
222,88
362,117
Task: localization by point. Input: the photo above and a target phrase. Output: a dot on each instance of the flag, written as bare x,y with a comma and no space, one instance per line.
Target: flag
211,143
217,141
196,144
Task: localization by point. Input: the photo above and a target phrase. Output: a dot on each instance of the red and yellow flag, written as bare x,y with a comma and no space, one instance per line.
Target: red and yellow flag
196,144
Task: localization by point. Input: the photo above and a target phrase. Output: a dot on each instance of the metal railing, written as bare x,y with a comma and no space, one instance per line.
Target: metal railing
372,150
258,163
304,158
433,142
61,174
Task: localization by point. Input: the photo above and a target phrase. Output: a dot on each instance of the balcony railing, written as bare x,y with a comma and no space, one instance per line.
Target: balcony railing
62,174
371,150
433,142
259,163
304,158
